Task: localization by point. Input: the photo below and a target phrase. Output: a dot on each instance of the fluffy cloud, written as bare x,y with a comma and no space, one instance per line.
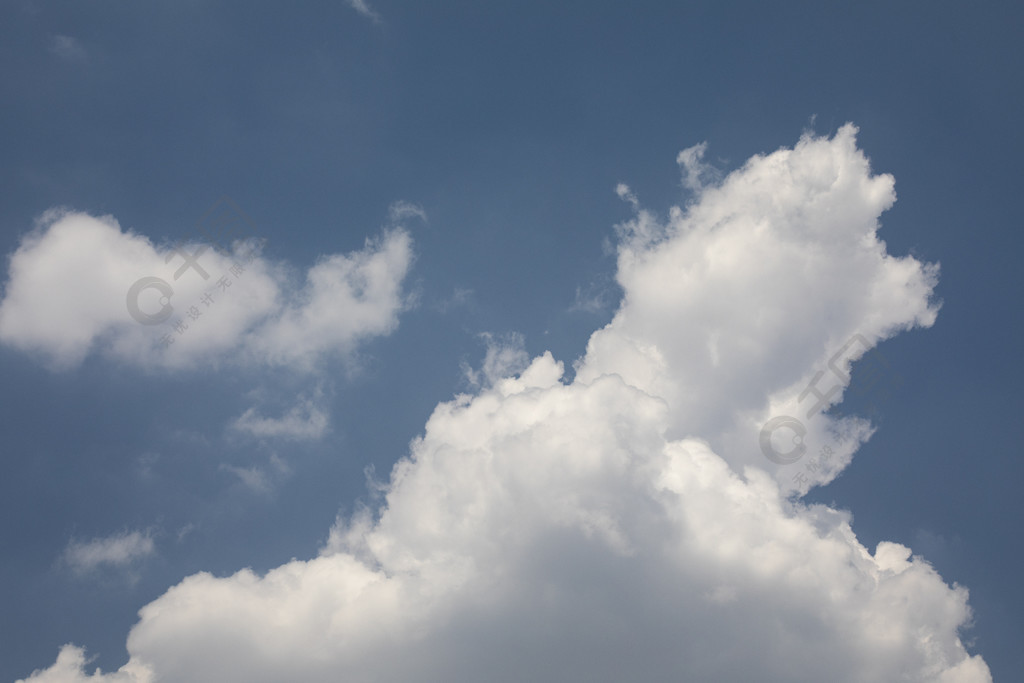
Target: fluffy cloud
80,284
70,667
624,525
735,303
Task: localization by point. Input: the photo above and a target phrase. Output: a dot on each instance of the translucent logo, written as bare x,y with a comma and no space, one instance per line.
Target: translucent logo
783,423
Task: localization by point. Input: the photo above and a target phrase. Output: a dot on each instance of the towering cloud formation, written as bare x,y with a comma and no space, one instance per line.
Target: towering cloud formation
734,306
627,525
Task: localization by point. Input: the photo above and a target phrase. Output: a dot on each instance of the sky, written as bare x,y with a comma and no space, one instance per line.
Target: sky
391,341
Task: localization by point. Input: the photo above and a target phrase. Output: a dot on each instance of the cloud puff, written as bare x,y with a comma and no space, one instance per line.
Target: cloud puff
592,530
79,284
117,551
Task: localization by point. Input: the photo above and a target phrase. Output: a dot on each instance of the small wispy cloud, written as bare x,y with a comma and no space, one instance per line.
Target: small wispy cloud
120,551
597,297
260,479
506,356
402,210
460,297
364,8
696,174
253,478
68,48
627,195
304,421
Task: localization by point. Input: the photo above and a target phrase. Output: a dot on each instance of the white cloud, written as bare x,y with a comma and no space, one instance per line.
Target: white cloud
77,285
461,297
260,479
118,551
618,527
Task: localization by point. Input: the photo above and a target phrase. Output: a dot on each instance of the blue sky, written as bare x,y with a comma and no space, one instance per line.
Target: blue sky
467,155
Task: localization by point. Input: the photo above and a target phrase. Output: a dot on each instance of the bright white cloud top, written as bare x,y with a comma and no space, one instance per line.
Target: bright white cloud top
625,521
734,305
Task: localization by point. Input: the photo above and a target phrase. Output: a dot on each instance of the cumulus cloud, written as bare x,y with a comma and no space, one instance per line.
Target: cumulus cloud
624,525
79,284
118,551
733,306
